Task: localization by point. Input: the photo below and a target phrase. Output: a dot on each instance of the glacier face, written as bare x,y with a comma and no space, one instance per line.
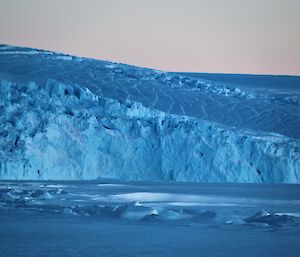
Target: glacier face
71,118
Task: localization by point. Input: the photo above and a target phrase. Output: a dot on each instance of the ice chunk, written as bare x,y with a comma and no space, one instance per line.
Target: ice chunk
138,211
273,219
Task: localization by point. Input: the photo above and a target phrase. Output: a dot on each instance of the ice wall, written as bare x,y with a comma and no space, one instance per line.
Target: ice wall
59,131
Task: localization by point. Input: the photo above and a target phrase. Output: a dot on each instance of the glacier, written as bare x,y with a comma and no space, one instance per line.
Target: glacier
73,118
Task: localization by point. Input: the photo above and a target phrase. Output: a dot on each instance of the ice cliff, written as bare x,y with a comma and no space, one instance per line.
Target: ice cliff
70,118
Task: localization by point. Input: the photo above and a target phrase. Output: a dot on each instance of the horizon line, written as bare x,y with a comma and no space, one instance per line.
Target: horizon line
152,68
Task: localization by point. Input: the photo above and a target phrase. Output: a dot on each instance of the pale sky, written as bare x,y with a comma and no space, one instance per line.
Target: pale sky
258,37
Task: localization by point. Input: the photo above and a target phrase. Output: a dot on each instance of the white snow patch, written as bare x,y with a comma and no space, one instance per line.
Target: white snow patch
64,57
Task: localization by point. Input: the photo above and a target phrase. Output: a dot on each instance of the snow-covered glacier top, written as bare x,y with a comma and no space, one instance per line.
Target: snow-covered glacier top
223,102
66,117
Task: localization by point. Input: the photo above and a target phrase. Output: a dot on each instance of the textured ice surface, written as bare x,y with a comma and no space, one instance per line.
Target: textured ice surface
64,117
165,201
109,218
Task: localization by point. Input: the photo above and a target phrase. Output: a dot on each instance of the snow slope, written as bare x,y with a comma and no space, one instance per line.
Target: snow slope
65,117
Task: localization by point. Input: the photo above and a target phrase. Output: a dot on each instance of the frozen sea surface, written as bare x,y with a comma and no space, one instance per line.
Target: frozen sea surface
110,218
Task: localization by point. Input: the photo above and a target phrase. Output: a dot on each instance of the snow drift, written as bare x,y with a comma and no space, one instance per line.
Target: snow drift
54,128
